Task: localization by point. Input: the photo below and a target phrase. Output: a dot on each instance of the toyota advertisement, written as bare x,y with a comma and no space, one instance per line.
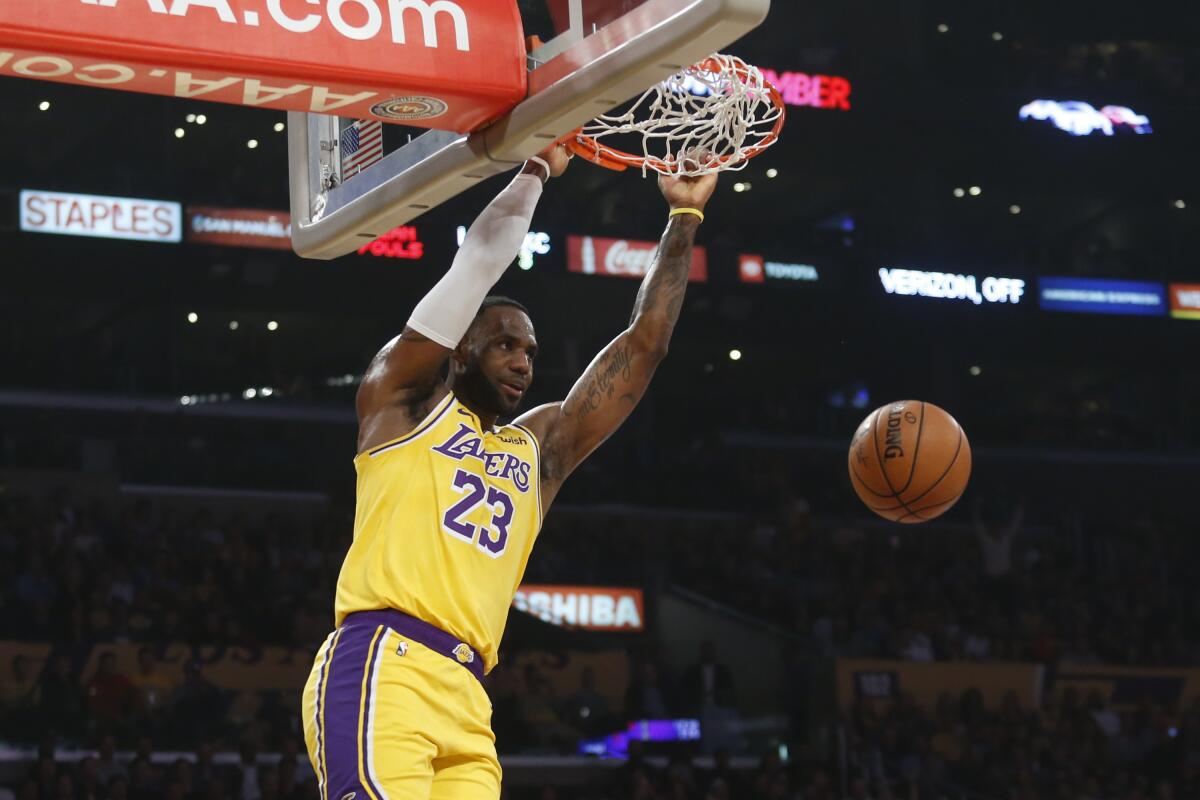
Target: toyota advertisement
754,268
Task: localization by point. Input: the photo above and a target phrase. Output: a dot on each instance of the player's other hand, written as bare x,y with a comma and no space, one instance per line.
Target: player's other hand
558,157
683,192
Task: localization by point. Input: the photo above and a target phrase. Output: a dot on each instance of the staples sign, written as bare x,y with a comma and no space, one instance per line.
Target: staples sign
102,217
594,608
624,258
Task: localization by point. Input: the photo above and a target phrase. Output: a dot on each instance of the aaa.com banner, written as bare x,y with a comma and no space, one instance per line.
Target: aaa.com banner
451,64
593,608
624,258
239,227
885,681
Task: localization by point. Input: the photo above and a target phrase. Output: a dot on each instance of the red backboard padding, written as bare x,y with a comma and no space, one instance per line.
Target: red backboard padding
447,64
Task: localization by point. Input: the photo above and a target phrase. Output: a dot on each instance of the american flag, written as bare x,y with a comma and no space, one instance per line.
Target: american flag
362,146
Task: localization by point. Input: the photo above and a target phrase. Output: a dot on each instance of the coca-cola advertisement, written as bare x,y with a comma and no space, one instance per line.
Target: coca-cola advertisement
624,258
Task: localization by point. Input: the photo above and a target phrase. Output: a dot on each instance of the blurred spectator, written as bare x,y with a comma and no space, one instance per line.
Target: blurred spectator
60,699
110,694
143,779
995,544
295,772
107,766
211,779
18,694
587,709
250,773
540,716
646,698
706,680
199,705
90,785
34,585
151,686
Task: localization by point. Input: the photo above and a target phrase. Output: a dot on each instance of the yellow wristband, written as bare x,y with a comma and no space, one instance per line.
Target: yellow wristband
676,212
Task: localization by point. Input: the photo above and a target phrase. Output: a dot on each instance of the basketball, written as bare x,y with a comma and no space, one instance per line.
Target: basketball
909,461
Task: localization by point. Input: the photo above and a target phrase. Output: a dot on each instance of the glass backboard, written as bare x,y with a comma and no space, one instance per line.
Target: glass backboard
592,56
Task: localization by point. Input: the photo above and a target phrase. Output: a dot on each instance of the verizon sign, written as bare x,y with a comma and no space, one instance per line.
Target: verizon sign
385,59
102,217
594,608
239,227
623,258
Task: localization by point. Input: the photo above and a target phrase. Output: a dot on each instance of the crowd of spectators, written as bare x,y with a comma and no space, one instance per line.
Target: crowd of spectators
1018,585
1020,589
1012,586
1073,747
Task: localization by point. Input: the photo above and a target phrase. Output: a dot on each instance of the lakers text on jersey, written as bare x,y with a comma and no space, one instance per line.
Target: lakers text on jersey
445,520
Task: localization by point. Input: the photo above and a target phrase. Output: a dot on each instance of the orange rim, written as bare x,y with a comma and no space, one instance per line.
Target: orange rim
587,147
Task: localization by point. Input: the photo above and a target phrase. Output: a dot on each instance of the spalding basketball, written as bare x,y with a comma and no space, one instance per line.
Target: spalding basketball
909,461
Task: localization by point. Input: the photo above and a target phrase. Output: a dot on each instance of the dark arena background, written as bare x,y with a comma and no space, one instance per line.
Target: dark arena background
989,207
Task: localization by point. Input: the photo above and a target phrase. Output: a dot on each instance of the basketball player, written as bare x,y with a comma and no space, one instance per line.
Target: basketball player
450,503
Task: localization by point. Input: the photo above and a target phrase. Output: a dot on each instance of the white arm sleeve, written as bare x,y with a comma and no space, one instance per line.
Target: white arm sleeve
495,238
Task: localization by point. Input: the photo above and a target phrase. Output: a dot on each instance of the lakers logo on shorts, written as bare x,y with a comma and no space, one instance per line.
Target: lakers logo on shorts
464,654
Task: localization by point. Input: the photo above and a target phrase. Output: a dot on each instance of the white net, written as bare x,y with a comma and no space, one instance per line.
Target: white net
721,113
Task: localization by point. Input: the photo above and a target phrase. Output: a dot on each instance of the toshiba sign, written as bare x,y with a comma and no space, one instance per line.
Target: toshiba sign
595,608
624,258
103,217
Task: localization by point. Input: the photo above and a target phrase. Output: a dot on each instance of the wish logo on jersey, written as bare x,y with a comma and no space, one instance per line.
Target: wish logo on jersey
467,443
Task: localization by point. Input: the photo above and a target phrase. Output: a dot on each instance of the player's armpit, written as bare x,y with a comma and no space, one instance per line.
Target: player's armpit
596,406
409,364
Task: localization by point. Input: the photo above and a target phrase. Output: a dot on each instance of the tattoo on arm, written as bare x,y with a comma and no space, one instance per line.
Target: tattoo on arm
601,382
615,381
663,289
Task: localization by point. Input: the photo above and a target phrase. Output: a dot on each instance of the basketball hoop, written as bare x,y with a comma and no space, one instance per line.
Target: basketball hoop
721,108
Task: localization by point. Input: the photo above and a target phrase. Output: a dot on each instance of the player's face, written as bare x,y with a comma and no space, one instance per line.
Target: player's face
499,366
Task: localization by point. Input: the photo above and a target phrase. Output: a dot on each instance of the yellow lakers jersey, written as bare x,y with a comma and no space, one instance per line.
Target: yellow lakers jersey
445,520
